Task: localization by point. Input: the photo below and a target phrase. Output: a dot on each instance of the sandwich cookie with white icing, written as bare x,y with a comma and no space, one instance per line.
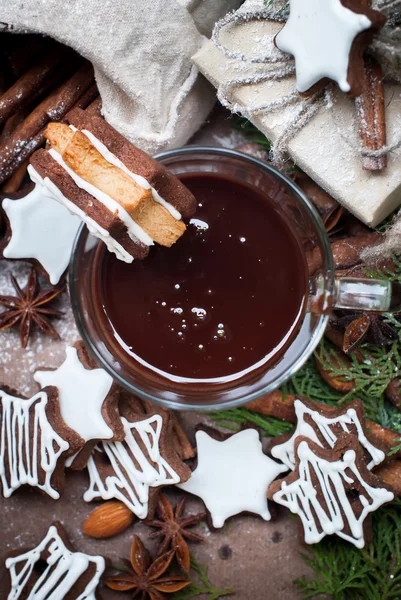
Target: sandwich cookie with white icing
126,198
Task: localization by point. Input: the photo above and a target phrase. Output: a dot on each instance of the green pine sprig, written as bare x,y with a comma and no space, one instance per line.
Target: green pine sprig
343,572
233,419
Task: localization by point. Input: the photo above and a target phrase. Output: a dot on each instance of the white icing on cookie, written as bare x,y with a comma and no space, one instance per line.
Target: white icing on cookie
36,231
28,442
301,497
50,190
319,34
135,471
134,230
63,570
81,395
285,451
112,158
232,476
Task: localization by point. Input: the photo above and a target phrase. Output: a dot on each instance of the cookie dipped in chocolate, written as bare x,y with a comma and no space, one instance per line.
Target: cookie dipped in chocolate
225,300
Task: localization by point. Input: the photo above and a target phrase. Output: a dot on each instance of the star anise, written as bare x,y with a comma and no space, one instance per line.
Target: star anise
144,577
363,326
172,526
27,308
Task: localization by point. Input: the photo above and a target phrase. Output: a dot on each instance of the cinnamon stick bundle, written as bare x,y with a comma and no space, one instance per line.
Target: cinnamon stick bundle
29,134
35,82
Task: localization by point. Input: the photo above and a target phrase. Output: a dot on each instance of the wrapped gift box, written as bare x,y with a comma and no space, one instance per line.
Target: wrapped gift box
320,147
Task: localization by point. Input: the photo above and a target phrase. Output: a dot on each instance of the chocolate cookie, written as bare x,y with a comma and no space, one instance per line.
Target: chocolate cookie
324,425
331,491
327,40
232,474
33,233
124,196
54,569
134,469
34,441
88,400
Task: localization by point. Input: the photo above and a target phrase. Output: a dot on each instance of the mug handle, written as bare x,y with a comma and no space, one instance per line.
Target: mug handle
366,294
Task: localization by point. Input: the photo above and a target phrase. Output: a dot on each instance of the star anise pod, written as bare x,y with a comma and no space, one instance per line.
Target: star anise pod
147,579
28,308
172,527
361,326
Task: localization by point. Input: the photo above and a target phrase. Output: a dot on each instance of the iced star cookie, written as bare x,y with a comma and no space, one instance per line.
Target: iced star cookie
125,197
324,425
34,441
331,491
38,230
134,469
54,570
232,476
88,400
327,40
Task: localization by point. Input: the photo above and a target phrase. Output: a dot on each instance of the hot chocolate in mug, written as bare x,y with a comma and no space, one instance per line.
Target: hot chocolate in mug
235,307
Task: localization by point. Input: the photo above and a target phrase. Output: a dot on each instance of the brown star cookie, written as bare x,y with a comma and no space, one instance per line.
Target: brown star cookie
55,569
331,491
133,470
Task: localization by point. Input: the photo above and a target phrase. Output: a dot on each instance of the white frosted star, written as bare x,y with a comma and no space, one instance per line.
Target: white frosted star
319,34
232,476
81,395
42,229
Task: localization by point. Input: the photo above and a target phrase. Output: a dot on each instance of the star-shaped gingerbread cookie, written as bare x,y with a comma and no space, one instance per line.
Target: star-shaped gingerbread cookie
88,398
331,491
41,230
323,425
233,475
54,570
327,39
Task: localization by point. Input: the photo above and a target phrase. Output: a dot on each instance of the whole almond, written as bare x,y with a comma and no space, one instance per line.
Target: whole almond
107,520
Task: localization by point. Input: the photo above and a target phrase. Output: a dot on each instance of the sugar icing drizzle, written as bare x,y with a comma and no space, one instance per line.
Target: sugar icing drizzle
63,570
332,513
347,421
135,470
28,443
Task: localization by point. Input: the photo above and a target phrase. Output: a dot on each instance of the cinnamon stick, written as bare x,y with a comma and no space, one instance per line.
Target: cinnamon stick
88,98
53,108
14,183
282,407
185,450
35,82
370,109
390,473
95,108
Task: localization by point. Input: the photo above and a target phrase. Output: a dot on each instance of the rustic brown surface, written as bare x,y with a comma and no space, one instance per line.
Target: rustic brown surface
258,559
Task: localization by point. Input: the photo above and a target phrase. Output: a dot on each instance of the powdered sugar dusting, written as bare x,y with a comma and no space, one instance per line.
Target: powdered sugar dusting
42,350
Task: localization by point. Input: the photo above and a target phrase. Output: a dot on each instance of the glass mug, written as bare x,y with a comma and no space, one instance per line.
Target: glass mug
324,292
